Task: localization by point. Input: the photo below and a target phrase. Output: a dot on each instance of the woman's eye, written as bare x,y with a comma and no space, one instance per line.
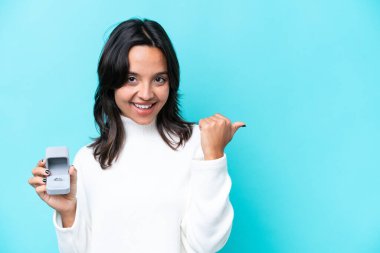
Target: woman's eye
131,79
160,80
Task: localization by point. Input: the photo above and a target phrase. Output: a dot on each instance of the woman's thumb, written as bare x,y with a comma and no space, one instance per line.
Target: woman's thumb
73,178
236,126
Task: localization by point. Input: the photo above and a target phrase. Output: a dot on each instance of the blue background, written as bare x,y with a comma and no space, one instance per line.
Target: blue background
303,75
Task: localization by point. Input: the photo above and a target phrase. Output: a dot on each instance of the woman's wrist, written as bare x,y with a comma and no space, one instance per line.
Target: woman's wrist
214,155
68,217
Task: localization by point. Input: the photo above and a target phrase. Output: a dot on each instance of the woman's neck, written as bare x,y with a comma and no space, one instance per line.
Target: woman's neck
132,128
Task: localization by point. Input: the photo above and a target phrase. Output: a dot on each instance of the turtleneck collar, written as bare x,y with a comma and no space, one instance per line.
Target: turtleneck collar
132,128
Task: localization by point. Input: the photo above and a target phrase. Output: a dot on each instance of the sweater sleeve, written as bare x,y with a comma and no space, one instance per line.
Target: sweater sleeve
75,239
207,223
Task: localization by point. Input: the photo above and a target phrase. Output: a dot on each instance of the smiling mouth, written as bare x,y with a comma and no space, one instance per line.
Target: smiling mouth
143,106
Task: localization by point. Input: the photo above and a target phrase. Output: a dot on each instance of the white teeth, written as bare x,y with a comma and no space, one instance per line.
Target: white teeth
143,106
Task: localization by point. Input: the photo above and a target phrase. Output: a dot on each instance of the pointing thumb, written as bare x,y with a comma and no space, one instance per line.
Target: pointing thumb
237,125
73,180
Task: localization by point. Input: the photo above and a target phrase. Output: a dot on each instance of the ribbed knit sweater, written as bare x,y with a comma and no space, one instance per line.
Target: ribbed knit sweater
151,200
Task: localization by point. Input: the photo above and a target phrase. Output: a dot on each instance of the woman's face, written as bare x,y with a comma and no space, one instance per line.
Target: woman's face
147,88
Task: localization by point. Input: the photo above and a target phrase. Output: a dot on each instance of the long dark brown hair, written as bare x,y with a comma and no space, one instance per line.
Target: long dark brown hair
113,70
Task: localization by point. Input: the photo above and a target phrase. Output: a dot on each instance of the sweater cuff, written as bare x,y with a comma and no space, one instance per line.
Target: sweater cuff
220,163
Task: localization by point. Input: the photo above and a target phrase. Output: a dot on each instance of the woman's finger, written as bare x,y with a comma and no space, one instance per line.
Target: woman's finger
41,163
40,171
37,181
208,122
220,116
41,189
237,125
221,121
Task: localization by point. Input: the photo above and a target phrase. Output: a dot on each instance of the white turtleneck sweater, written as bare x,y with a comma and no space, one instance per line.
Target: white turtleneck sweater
151,200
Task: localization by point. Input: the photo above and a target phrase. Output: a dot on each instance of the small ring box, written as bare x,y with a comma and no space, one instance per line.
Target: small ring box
57,161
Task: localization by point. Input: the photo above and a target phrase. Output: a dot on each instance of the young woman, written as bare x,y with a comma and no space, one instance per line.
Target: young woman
151,182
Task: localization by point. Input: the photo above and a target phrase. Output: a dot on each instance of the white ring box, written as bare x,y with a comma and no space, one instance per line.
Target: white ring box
57,161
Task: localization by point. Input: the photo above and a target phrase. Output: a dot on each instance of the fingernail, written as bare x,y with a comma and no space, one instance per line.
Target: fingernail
44,180
47,172
42,160
244,125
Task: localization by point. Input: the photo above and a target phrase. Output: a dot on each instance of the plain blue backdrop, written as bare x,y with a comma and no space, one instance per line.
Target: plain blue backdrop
303,75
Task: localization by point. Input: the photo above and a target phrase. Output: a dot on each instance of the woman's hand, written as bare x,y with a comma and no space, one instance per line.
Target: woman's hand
216,132
64,204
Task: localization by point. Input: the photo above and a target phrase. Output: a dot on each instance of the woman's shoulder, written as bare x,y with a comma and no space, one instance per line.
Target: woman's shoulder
195,138
196,130
189,135
193,132
194,144
84,155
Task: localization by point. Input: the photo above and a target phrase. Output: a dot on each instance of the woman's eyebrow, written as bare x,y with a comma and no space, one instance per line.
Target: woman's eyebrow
158,73
133,73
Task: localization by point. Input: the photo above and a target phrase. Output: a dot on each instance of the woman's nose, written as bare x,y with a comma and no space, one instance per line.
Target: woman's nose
146,92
